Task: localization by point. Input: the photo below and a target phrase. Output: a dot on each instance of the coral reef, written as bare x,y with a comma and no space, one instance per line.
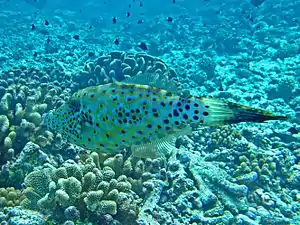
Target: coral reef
19,216
22,106
100,188
10,197
218,176
29,158
244,174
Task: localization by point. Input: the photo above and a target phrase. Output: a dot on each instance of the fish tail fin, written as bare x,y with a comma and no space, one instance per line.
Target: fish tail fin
223,113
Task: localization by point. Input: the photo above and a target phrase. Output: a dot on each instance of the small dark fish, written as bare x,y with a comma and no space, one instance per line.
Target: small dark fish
76,37
90,27
143,46
221,87
40,4
249,17
91,54
129,6
257,3
114,20
174,1
128,14
32,27
48,40
117,42
293,130
140,22
46,22
169,19
141,4
35,54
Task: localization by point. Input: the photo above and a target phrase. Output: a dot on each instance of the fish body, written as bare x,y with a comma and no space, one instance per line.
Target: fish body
111,117
257,3
40,4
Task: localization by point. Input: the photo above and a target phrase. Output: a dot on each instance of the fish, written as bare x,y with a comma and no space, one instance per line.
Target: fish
257,3
40,4
144,118
116,42
143,46
76,37
169,19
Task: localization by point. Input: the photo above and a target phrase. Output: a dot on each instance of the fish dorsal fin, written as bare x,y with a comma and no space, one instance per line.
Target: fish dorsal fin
143,78
160,147
154,80
114,81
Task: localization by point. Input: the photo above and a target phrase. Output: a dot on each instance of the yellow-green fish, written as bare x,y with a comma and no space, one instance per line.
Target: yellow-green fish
111,117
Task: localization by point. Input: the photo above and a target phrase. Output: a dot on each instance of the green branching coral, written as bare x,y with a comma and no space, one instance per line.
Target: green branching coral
10,197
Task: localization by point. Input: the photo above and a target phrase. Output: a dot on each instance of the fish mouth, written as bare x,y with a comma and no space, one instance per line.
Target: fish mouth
46,119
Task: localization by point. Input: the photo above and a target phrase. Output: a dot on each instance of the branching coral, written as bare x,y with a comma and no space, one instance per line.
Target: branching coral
28,94
10,197
31,156
95,191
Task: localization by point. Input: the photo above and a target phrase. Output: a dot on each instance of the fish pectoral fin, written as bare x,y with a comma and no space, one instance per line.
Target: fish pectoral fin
161,147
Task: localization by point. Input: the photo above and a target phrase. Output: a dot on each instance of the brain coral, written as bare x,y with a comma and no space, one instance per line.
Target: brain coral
121,65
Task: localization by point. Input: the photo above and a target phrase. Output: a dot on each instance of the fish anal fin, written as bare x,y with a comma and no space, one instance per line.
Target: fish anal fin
159,148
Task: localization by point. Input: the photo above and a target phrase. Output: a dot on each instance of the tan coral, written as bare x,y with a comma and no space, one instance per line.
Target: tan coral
10,197
95,191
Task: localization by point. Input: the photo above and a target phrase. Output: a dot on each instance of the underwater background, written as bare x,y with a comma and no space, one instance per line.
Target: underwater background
244,51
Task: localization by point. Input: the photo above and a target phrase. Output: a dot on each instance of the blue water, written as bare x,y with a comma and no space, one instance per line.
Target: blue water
232,50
